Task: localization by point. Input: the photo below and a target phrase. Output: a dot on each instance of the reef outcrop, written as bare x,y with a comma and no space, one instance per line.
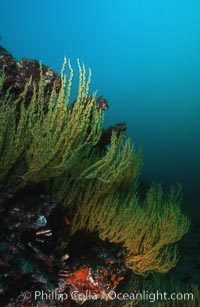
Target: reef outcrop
72,218
34,256
18,73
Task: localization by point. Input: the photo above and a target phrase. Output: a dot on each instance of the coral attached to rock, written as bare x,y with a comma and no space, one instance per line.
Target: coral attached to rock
63,177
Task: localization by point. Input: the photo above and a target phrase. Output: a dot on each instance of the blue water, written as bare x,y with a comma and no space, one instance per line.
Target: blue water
145,57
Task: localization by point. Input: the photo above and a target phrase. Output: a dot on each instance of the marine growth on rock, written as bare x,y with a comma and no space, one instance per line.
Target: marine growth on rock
74,225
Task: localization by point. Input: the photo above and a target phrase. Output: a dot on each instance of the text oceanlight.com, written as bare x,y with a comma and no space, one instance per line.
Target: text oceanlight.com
150,296
110,296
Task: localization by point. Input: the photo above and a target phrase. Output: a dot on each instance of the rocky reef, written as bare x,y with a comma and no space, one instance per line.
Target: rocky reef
33,255
35,266
76,223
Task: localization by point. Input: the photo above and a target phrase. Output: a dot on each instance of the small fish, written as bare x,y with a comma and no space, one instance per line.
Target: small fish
64,257
46,233
67,221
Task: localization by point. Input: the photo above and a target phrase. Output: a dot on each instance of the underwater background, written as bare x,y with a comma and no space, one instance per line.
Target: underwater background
145,61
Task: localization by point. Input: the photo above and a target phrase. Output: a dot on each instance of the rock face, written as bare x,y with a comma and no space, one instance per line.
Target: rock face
25,243
34,259
18,73
39,261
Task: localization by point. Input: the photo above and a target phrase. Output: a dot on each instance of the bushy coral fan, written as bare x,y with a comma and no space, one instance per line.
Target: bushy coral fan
63,148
